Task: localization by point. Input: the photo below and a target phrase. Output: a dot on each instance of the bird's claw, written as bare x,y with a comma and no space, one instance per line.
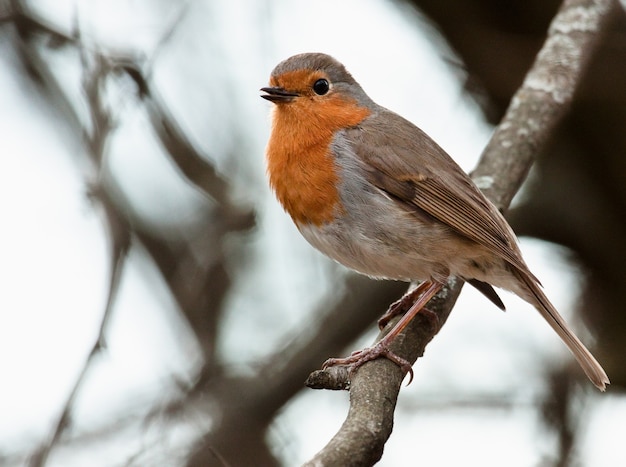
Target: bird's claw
359,357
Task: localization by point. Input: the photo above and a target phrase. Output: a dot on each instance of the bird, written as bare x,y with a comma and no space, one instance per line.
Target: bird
375,193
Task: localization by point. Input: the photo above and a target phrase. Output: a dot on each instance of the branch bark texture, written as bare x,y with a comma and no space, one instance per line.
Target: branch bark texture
534,112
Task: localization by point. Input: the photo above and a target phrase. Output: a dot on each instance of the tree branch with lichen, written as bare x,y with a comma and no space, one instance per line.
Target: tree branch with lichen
534,112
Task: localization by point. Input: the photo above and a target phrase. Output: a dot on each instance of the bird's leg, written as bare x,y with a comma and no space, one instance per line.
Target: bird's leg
381,348
401,306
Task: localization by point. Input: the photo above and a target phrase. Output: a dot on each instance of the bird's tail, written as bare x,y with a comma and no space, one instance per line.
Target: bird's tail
589,364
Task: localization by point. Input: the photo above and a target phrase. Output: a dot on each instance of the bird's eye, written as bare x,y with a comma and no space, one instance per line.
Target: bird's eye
321,87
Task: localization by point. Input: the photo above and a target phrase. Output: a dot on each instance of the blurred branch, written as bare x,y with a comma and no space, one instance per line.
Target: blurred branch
534,112
194,166
198,282
119,234
120,245
201,288
14,11
560,415
544,98
192,163
258,398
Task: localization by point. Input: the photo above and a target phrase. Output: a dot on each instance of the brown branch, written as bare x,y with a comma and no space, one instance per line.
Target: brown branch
374,390
200,289
543,99
120,242
120,239
534,112
261,396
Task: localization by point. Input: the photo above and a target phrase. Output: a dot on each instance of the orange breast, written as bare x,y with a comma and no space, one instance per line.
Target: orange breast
301,168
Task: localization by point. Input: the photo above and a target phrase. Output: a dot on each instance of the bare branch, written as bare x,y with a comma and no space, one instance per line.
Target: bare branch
534,112
119,248
544,98
120,243
198,284
374,390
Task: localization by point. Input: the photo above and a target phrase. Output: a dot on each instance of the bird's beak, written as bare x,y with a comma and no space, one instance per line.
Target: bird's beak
278,95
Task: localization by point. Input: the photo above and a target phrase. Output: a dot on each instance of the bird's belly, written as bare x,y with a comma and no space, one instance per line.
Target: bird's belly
391,243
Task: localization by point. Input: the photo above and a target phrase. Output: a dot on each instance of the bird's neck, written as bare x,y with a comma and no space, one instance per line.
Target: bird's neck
300,164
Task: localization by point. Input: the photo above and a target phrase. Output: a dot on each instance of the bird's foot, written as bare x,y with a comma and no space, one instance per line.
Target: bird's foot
401,307
358,358
404,304
397,308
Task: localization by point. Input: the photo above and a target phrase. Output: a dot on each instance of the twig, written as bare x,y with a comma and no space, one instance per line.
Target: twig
120,244
199,293
535,110
40,456
374,391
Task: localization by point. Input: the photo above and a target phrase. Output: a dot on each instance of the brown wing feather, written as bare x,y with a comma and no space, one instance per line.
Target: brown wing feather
467,213
406,169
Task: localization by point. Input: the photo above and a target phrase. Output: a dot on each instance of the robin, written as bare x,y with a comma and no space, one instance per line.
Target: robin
372,191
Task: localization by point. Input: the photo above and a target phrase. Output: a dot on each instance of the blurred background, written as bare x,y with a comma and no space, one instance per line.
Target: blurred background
159,308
